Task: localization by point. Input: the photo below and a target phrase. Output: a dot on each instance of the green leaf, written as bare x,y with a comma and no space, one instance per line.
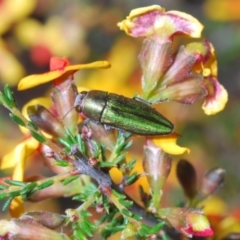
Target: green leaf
80,197
107,164
7,203
105,203
45,184
157,227
131,164
118,228
127,145
70,179
143,232
32,125
86,229
28,188
119,195
84,213
70,137
120,158
61,163
131,179
125,203
137,216
81,145
17,120
3,195
15,193
103,152
37,136
64,142
102,219
2,187
79,234
91,225
125,212
112,214
15,183
96,149
8,102
8,93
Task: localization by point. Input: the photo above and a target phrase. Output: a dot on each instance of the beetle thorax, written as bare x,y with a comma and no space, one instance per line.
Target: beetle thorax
93,104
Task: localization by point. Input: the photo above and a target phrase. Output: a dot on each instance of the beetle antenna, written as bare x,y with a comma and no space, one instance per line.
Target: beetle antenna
67,113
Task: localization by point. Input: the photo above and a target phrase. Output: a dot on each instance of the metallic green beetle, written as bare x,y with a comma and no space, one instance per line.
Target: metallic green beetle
124,113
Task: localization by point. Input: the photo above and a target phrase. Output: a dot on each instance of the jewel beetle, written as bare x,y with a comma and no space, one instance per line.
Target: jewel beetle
123,113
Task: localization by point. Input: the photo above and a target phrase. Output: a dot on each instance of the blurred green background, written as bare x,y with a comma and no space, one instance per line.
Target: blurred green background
83,31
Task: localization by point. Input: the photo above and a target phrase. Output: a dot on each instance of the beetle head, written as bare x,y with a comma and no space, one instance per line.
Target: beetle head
79,100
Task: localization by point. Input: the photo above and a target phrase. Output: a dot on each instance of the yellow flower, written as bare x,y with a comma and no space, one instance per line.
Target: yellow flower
217,96
227,10
60,69
12,12
8,61
168,144
16,159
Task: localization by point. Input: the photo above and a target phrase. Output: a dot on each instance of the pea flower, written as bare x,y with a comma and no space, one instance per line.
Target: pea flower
188,221
174,76
64,91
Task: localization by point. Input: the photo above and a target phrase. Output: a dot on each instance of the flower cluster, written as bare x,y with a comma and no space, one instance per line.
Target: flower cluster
184,76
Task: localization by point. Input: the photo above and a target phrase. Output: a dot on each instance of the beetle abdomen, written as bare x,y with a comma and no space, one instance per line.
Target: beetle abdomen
134,116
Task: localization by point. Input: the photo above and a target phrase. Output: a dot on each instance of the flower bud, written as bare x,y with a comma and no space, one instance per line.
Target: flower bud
27,229
63,99
45,120
188,221
155,57
187,177
101,135
157,166
47,219
211,182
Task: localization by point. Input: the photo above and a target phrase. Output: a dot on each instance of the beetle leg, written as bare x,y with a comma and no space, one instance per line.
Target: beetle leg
108,128
142,100
161,101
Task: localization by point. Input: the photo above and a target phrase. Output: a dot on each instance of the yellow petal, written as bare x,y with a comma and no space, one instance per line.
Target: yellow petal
16,158
217,101
38,79
154,22
44,101
116,175
227,10
127,25
16,207
229,225
169,144
143,10
214,206
14,11
123,47
8,61
98,64
29,32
